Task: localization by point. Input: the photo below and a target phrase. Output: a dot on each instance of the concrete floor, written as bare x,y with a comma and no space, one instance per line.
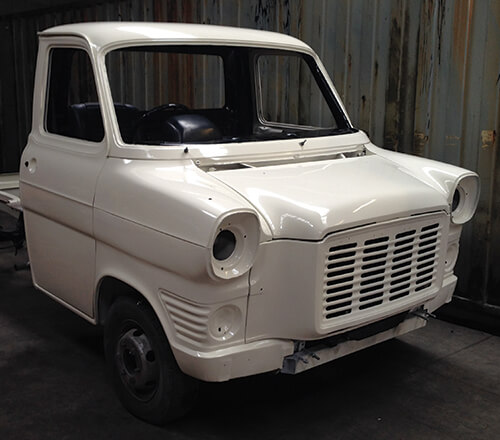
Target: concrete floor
441,382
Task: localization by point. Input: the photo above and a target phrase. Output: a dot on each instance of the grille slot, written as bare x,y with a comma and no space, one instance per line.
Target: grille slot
370,270
190,320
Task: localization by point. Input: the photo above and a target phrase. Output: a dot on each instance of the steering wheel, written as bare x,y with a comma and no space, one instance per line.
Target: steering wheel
149,116
162,108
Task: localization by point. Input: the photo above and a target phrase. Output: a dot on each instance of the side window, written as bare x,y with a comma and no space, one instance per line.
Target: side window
72,107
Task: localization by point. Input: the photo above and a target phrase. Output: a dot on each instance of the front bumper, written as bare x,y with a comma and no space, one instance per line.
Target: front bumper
236,361
256,357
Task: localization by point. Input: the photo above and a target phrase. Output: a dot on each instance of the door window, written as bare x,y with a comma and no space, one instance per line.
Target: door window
72,104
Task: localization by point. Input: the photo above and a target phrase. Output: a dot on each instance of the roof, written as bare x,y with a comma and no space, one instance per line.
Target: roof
102,34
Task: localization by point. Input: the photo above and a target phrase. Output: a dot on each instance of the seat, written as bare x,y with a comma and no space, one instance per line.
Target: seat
86,121
190,128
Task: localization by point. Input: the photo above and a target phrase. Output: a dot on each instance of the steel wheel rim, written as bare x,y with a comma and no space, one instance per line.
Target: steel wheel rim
137,363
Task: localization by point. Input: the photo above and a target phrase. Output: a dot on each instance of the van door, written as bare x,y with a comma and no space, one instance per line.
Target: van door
59,170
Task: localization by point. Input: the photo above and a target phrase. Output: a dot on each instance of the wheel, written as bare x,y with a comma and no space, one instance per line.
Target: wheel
143,369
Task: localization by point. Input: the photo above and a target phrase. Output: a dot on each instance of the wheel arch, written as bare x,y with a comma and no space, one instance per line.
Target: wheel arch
127,357
110,288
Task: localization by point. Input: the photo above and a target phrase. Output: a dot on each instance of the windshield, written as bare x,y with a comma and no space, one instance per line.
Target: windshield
216,94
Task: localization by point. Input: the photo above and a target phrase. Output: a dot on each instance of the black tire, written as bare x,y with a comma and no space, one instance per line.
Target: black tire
143,369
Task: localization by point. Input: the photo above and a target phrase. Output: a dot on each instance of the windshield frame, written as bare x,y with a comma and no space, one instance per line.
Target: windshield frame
118,148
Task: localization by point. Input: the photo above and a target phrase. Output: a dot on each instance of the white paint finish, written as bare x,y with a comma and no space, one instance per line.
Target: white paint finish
151,246
58,208
38,135
453,248
309,200
62,261
444,295
62,173
104,35
240,151
214,360
148,215
245,228
148,279
288,277
230,363
393,275
153,281
205,325
325,355
283,286
261,151
57,178
99,38
57,201
468,189
441,176
175,198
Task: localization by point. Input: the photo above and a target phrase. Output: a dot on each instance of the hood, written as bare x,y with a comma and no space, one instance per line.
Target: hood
308,200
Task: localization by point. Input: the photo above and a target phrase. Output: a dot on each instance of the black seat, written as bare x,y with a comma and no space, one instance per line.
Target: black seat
86,121
190,128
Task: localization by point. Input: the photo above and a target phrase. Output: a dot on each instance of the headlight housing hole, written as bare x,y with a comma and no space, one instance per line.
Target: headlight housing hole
224,245
234,245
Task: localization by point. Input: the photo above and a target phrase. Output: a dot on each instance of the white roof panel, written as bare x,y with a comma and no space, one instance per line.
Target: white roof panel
102,34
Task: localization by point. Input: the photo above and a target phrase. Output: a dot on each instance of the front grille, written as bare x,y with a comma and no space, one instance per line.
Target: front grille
375,268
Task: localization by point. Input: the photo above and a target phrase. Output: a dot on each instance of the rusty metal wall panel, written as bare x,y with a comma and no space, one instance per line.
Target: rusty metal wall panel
486,140
471,43
420,76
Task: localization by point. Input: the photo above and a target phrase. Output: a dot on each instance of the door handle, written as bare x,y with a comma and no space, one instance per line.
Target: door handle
31,165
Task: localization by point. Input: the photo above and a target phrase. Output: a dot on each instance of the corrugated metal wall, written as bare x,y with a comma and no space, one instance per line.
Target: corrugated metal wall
420,76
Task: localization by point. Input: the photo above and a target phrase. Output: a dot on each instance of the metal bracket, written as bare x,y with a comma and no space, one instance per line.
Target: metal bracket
301,354
424,314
